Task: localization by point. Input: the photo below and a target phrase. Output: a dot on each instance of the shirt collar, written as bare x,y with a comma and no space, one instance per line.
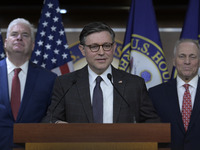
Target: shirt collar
192,82
93,75
11,66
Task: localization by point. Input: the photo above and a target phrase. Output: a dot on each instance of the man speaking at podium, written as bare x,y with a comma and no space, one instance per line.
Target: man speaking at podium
99,93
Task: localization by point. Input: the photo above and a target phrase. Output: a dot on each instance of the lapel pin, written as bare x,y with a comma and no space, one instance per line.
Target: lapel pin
120,81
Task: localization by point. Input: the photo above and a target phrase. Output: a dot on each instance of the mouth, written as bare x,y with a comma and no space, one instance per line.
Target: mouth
101,59
187,68
18,44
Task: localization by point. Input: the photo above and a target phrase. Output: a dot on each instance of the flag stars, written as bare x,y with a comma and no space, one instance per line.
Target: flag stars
57,9
51,49
40,43
42,33
53,60
53,28
61,32
56,51
45,56
43,65
66,46
37,53
50,5
48,14
64,56
2,55
50,37
35,61
59,42
55,19
48,46
45,24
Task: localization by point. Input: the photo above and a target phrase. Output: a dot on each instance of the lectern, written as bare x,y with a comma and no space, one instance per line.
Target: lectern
122,136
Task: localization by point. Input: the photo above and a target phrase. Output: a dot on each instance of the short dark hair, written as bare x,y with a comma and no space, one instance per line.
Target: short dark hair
93,28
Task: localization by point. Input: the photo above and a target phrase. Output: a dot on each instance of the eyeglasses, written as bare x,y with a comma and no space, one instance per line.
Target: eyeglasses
96,47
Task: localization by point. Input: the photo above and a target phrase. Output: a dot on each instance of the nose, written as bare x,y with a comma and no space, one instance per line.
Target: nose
19,37
101,51
187,60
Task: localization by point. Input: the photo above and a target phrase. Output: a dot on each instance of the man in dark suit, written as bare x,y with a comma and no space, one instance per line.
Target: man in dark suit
32,96
176,104
74,94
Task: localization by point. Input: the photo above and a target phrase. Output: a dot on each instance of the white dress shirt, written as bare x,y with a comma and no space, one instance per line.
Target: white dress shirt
22,75
107,89
181,89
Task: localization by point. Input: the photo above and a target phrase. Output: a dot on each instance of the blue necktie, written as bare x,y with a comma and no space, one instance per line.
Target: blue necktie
98,102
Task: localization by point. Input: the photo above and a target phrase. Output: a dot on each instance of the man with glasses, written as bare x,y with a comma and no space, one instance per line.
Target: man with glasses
99,93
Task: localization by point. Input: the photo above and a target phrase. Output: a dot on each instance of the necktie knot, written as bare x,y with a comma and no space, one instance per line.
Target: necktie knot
98,79
16,71
186,86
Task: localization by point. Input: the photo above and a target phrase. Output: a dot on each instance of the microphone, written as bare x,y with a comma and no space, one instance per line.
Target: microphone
109,76
73,82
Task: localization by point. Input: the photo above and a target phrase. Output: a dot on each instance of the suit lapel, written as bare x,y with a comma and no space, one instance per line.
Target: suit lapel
196,108
174,103
84,92
4,92
28,90
119,84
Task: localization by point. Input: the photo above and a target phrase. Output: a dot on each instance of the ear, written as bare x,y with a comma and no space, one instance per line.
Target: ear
33,45
5,43
114,47
81,47
199,63
174,62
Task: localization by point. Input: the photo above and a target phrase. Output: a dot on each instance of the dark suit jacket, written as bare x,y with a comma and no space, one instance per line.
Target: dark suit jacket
165,100
35,101
76,106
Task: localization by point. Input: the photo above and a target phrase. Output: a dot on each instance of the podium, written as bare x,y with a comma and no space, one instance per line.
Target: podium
84,136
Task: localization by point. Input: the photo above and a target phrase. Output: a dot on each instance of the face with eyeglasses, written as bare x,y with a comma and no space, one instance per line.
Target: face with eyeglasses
98,50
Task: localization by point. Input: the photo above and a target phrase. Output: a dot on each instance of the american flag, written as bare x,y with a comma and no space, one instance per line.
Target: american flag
2,53
51,48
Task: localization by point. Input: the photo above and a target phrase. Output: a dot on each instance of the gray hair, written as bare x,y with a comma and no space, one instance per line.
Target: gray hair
196,42
21,21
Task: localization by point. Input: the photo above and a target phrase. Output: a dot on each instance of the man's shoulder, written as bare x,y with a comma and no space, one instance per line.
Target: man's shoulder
42,70
3,62
74,74
127,75
163,86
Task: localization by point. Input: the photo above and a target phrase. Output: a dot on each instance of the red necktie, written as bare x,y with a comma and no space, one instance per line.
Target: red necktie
15,93
186,106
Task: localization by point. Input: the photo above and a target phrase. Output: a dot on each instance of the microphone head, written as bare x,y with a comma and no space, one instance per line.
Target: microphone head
109,76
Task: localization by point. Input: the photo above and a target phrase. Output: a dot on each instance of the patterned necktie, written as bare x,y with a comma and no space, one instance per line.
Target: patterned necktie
186,106
98,102
15,93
